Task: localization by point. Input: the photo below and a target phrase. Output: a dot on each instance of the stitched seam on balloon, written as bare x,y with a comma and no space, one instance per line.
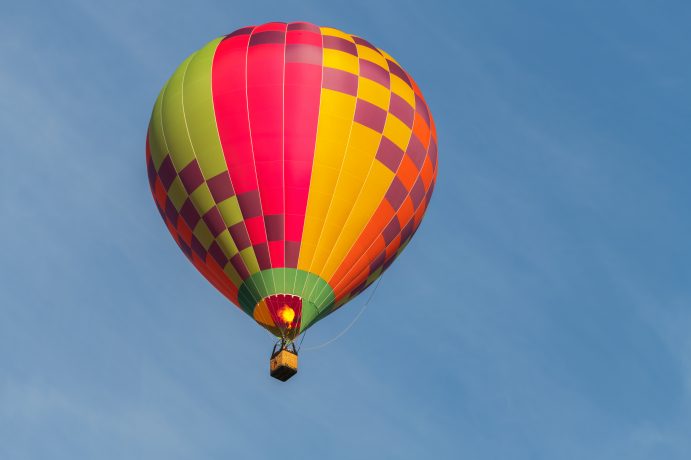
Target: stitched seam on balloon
230,179
340,170
210,272
194,151
369,171
254,162
283,155
314,153
256,287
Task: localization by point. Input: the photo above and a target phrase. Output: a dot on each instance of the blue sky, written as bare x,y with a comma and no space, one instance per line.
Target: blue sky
542,311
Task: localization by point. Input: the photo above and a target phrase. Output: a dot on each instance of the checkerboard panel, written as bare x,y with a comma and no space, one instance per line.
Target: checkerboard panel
408,195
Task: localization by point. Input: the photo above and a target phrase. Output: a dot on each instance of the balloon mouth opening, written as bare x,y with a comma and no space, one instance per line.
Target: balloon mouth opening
281,314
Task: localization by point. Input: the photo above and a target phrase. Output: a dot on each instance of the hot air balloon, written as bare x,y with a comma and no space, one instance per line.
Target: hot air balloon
292,164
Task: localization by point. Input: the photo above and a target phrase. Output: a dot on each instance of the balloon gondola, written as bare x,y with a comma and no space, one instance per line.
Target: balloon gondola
292,164
284,360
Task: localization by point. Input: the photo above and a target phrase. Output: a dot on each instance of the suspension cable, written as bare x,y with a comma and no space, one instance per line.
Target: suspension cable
352,323
302,339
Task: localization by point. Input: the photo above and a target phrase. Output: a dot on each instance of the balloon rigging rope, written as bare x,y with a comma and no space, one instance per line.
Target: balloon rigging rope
347,328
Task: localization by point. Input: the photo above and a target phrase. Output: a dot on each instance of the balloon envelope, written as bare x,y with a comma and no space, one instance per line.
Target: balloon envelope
291,163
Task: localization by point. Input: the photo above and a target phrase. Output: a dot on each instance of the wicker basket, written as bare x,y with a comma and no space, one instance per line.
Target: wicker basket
283,365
